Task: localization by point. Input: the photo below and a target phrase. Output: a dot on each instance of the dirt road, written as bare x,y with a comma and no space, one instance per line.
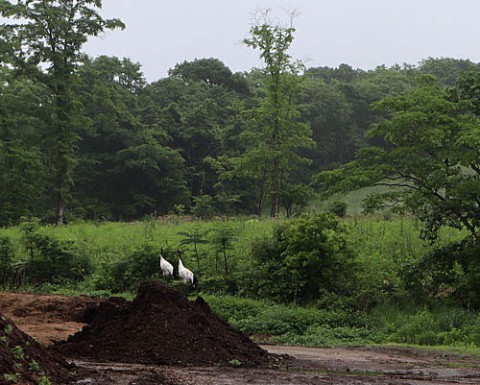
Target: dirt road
51,318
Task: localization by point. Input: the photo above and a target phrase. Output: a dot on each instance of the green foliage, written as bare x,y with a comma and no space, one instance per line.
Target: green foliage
44,380
430,157
303,260
6,258
121,149
8,329
277,134
294,324
374,300
51,259
222,236
194,238
210,71
219,285
439,326
110,275
235,363
339,208
280,320
203,207
332,337
233,309
13,378
34,366
447,274
17,352
43,41
22,170
125,273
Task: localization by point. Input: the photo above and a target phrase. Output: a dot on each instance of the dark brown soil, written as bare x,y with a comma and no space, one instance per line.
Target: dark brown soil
24,361
162,327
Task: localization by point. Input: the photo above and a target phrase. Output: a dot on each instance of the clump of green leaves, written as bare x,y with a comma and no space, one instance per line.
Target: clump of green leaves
44,380
17,352
8,329
235,363
50,258
125,272
34,366
338,207
13,378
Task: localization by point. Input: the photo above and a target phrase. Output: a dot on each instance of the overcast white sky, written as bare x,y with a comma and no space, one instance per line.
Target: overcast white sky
361,33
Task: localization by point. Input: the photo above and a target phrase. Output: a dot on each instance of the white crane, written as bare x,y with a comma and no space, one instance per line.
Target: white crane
186,275
165,266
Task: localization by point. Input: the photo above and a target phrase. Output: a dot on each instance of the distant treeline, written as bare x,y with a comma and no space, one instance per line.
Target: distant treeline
177,144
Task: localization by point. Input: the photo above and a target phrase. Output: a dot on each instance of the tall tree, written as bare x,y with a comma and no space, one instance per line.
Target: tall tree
44,40
280,132
22,171
199,105
126,168
431,157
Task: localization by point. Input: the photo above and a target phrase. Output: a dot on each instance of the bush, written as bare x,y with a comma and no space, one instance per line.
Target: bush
302,261
449,274
338,207
6,258
422,326
218,285
294,324
51,259
203,206
233,309
124,273
110,274
330,337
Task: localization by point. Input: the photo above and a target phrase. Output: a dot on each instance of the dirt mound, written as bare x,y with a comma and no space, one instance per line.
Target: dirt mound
24,361
161,326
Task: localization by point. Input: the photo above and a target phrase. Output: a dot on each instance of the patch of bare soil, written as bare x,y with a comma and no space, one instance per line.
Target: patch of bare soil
49,318
53,318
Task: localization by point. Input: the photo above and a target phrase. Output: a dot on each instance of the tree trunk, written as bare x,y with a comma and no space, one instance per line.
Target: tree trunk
225,261
60,211
276,189
262,193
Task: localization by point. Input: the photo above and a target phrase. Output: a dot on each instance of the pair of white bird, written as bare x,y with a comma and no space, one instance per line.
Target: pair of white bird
183,273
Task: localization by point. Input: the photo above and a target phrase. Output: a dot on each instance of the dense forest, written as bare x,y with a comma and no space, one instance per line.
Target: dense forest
89,138
177,144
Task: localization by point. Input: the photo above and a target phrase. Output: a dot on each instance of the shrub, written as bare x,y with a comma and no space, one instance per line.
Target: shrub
319,335
6,258
218,285
303,260
338,207
448,274
51,259
233,309
124,273
203,206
